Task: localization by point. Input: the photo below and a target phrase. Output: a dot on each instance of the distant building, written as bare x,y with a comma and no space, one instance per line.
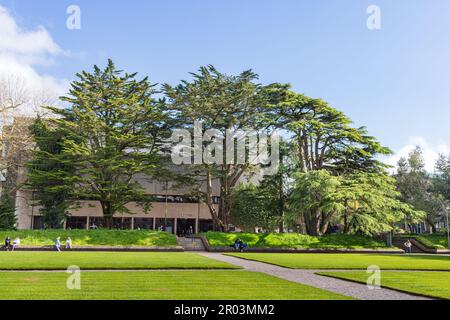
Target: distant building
174,208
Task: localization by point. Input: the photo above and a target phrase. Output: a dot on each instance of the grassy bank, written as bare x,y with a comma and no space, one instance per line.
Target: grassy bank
294,241
93,237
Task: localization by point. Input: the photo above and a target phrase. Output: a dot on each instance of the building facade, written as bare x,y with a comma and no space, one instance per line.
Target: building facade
174,208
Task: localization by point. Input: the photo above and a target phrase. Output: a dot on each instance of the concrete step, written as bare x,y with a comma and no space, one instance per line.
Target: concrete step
191,244
399,243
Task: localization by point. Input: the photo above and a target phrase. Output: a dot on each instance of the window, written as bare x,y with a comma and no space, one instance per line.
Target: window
122,223
162,223
206,225
76,223
38,223
143,223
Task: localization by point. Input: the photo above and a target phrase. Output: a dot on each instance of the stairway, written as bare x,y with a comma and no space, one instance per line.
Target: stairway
191,244
399,243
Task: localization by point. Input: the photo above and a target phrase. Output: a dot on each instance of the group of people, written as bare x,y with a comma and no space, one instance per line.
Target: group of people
239,245
12,245
58,244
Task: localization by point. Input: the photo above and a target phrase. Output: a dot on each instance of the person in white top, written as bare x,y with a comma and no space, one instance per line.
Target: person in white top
16,243
68,243
408,246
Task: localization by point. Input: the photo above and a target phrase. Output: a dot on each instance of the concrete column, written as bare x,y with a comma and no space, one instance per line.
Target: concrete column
175,226
132,223
87,223
197,226
154,223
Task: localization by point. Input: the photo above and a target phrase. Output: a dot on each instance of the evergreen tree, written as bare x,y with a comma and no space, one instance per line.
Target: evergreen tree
49,177
113,131
7,213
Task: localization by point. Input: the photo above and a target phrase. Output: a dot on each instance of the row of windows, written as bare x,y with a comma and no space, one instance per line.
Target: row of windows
177,199
182,199
184,226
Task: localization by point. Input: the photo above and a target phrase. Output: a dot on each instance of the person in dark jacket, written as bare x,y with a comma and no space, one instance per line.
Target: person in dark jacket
8,243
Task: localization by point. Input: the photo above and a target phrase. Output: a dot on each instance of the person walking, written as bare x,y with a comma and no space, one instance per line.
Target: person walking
68,243
58,244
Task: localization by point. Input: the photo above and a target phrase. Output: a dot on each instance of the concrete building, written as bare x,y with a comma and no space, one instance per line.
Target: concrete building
174,208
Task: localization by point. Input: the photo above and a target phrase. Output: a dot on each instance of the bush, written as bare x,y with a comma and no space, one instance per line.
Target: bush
7,213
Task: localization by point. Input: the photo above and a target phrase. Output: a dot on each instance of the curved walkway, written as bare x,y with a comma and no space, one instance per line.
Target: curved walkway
310,278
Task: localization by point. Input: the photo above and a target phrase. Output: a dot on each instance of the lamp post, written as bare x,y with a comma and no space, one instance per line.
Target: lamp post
447,209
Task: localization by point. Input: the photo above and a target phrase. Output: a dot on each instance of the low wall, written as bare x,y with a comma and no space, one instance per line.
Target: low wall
425,249
289,250
103,249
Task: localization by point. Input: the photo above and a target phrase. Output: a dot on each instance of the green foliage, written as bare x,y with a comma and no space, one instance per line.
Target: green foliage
316,198
371,204
7,213
294,241
254,207
366,203
49,176
112,131
219,102
93,237
322,137
420,189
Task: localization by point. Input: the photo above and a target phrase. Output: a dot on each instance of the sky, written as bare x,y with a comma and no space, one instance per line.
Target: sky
394,80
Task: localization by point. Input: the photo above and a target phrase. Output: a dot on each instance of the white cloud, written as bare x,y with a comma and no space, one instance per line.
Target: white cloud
430,152
22,50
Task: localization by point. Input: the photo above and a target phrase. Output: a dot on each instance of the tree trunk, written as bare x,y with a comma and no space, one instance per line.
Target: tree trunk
281,203
218,224
108,213
313,225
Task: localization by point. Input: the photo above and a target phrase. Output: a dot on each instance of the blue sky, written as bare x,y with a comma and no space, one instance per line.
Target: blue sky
395,81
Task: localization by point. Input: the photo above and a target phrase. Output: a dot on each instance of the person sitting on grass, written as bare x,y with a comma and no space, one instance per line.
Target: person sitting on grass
16,243
58,244
8,243
68,243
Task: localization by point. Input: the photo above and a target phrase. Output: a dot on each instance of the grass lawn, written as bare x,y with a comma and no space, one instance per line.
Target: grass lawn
293,240
93,237
433,284
351,261
107,260
158,285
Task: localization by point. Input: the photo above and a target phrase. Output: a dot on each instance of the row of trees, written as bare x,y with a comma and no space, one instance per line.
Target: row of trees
115,127
428,192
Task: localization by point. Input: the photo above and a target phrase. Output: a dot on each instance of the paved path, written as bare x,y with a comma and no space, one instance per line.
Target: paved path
310,278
